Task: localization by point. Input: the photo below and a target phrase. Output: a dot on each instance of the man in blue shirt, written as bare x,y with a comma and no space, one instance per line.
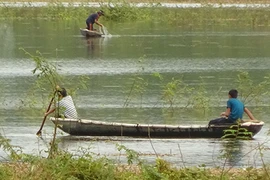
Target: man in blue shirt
235,110
92,19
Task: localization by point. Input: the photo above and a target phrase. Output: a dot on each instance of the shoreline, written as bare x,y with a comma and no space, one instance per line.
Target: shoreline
135,4
149,1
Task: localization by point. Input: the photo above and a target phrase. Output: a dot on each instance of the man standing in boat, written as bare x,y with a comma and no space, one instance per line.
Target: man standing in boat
92,19
235,110
65,105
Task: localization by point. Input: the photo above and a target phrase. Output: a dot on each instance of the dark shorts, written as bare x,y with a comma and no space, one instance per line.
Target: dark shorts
88,25
221,120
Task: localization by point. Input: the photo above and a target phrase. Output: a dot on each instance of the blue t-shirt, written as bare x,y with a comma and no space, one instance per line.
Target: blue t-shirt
237,109
91,19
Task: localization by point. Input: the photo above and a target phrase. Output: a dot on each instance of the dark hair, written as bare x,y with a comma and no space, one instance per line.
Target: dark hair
63,92
101,12
233,93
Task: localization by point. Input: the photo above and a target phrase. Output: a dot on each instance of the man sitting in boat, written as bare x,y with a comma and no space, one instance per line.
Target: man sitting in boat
92,19
235,110
65,105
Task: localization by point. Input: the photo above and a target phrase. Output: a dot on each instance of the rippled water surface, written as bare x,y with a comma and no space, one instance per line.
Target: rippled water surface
215,55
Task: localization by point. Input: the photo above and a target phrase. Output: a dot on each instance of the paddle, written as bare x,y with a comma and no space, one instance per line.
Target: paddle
44,119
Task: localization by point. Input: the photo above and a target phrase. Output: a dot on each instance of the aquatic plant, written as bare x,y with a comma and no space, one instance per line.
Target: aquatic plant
138,86
173,92
200,99
237,132
250,90
48,77
47,82
45,71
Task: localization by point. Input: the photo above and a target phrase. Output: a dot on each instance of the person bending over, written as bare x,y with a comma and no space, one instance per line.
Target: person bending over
92,19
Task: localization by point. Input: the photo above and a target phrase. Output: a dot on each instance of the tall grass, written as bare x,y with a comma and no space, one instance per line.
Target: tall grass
87,166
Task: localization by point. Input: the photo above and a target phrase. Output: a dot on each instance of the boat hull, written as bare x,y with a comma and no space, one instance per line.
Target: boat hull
98,128
88,33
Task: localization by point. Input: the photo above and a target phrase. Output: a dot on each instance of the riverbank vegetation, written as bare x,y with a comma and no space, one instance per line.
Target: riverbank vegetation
64,165
119,10
154,1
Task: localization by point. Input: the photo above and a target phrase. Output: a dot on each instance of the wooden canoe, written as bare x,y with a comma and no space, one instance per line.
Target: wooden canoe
88,33
82,127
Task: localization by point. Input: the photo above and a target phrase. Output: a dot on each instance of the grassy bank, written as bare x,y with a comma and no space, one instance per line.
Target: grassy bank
100,169
153,1
64,166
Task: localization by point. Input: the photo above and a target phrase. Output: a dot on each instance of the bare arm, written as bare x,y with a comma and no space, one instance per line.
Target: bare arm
226,113
49,112
96,21
250,115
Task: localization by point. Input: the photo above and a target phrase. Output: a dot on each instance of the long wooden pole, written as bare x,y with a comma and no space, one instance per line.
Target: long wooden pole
44,119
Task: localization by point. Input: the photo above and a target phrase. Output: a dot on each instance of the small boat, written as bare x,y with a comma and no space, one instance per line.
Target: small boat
88,33
82,127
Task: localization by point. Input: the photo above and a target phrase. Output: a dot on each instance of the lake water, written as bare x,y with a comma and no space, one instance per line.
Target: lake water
213,55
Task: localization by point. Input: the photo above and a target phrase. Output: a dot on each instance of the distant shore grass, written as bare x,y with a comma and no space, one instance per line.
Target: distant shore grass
150,1
205,16
123,11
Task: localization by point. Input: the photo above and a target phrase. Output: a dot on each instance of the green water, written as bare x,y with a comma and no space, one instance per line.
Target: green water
212,54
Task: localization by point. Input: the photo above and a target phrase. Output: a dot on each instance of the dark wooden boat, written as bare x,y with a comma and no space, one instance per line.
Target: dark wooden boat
82,127
88,33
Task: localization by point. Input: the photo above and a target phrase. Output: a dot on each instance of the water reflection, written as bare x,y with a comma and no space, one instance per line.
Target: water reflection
232,151
7,39
94,46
